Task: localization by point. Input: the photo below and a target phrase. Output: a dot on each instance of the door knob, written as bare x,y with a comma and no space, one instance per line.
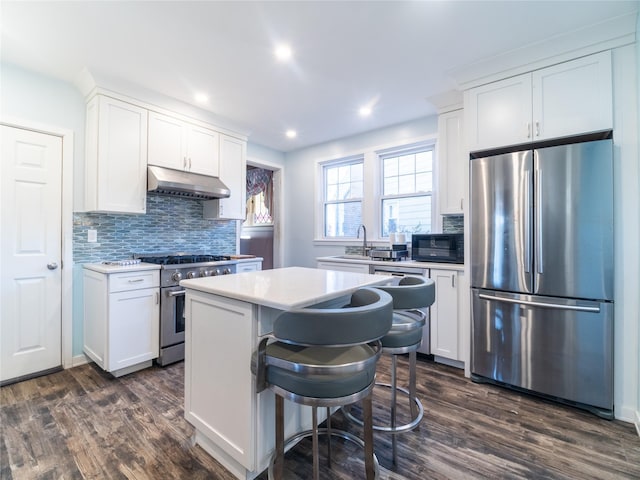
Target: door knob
52,265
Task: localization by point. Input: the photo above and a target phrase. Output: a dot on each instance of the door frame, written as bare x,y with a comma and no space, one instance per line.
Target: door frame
278,193
67,136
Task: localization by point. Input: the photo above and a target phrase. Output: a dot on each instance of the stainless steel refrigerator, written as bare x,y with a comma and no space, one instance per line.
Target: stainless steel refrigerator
542,272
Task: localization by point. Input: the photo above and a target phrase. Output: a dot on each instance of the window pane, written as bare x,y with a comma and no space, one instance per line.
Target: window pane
332,175
406,164
356,172
406,215
423,161
424,182
391,186
406,184
332,192
390,167
342,219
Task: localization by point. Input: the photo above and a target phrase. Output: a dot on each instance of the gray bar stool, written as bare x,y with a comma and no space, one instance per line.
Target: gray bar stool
325,358
409,296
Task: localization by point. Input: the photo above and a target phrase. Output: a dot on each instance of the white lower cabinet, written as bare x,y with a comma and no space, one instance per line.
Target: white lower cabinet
248,266
444,314
344,267
121,319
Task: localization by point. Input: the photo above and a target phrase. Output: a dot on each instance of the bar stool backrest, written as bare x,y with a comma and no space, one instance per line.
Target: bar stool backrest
367,318
412,292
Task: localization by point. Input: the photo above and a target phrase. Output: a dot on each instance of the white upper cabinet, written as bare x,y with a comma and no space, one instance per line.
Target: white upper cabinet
573,97
233,173
174,143
566,99
116,156
451,163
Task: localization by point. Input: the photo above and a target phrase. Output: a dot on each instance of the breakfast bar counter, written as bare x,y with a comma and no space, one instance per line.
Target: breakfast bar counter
226,317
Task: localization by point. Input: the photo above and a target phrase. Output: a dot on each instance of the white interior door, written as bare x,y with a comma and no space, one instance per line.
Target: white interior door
31,252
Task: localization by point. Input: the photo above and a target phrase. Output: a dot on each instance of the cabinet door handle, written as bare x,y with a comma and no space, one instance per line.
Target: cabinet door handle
189,163
137,280
537,129
184,163
453,281
157,298
528,130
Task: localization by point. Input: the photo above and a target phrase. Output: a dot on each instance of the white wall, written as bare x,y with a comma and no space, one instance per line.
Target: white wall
300,199
637,81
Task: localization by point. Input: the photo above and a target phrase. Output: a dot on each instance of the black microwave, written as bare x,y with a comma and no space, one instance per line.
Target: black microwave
438,247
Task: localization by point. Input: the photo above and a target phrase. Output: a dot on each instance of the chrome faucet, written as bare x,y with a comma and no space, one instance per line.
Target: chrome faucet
364,239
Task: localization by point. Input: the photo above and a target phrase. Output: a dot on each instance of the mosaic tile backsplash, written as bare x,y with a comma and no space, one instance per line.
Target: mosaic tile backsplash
171,224
453,224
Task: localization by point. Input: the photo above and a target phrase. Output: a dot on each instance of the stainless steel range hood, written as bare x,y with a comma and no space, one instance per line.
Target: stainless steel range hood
167,181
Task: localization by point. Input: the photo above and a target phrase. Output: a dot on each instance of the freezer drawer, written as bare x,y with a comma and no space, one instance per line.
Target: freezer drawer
557,347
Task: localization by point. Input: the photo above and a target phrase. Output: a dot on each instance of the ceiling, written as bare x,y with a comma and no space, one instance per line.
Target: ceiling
393,56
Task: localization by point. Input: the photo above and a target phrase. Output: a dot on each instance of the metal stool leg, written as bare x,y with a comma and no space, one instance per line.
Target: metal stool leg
412,386
394,385
369,457
279,454
329,437
316,460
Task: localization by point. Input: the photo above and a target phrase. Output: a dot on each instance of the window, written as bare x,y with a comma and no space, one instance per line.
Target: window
407,185
259,197
342,199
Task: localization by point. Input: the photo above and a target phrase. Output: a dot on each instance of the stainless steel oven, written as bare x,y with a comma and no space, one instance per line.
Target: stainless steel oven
171,325
175,267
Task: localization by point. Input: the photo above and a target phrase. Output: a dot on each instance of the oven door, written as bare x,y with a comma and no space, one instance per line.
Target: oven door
171,316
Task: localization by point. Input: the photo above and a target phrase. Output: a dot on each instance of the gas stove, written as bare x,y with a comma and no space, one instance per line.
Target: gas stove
179,266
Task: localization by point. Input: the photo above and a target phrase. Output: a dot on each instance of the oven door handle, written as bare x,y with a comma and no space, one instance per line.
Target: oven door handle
177,293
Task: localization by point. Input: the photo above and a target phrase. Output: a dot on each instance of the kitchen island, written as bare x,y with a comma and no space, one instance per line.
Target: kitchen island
226,317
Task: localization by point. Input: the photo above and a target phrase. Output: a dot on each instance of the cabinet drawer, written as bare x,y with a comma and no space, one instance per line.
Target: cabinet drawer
119,282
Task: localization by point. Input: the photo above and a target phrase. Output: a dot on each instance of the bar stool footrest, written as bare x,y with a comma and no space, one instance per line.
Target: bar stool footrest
334,433
346,411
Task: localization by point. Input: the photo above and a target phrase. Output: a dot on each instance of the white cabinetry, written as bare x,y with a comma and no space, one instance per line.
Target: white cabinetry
451,163
233,171
249,266
566,99
116,156
121,319
344,267
174,143
444,314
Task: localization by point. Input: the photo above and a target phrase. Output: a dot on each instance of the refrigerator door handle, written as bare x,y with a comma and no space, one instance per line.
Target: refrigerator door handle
575,308
527,224
538,226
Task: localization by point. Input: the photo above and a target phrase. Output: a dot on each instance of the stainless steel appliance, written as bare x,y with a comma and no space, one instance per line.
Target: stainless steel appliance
398,271
175,267
542,272
438,247
388,254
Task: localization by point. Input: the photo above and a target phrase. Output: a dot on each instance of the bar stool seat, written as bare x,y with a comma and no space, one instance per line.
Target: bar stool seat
410,297
325,358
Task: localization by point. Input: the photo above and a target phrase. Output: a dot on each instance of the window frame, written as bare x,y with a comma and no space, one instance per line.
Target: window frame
381,197
323,168
372,189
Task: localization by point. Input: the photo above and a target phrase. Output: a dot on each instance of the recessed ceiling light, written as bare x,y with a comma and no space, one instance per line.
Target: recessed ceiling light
201,97
283,52
291,134
365,111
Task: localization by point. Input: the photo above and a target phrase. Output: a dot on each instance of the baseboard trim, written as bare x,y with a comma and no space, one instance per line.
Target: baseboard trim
637,422
78,360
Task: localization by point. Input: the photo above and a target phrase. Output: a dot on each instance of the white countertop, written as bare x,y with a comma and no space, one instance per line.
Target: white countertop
387,263
104,268
285,288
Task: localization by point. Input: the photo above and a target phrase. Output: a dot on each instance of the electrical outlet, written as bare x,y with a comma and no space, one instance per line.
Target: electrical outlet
92,235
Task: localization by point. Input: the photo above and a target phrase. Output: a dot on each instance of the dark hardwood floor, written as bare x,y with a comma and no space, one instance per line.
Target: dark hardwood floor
82,423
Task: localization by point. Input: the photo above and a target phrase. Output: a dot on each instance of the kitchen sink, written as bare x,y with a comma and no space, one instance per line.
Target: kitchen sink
353,257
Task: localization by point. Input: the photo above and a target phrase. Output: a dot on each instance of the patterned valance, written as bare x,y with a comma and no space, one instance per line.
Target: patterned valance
261,180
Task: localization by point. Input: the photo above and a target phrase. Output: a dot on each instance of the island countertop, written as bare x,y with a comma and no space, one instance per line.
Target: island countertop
284,288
